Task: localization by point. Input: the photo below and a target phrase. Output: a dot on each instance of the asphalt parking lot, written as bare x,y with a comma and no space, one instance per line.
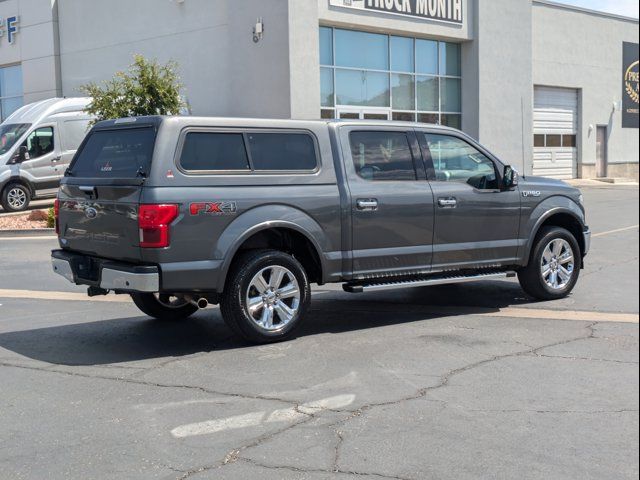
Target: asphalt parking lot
453,382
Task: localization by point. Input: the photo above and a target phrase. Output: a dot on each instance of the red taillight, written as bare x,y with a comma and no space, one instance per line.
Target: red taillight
56,215
154,222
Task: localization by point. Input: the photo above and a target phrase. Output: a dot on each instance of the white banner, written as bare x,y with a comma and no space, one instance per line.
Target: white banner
438,10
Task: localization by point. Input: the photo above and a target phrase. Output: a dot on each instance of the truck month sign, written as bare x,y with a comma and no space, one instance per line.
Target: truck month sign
630,78
439,10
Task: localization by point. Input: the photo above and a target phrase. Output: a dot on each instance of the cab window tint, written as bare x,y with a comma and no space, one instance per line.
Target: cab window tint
382,156
39,142
204,151
454,160
282,151
116,153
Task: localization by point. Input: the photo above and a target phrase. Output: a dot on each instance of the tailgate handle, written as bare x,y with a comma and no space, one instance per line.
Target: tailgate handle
90,191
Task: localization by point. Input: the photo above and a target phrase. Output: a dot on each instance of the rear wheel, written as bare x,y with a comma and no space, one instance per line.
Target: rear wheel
163,307
266,297
15,197
554,265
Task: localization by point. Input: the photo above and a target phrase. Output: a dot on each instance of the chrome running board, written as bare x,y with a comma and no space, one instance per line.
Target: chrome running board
424,281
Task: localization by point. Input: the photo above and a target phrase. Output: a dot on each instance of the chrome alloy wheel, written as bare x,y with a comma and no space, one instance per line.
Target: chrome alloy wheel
557,264
17,198
273,298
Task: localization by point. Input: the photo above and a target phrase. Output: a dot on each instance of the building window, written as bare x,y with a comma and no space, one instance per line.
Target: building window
10,90
410,78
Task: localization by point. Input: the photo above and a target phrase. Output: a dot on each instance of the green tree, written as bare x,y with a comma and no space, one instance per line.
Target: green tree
147,88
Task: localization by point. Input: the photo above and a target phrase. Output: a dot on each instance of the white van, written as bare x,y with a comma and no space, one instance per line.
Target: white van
37,143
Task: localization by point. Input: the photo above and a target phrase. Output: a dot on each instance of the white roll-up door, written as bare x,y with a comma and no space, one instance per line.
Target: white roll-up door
555,129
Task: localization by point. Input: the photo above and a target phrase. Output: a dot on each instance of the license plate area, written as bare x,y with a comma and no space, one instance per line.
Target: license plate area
87,269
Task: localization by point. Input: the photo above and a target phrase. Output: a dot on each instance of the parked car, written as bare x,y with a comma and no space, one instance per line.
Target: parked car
37,143
182,212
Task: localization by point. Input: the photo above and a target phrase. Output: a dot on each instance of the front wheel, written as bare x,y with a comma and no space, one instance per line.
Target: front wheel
266,297
554,265
163,307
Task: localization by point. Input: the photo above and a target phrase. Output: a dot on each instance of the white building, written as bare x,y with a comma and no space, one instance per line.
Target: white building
542,85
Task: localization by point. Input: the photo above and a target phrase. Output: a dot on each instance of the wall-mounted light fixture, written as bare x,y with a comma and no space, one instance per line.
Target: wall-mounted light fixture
258,31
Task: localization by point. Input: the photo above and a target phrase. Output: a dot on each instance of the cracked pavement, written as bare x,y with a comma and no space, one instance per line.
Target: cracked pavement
377,386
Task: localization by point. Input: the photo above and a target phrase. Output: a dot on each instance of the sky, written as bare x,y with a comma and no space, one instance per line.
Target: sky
628,8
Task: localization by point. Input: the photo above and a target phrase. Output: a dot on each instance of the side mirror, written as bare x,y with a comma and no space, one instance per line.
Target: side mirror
21,154
509,178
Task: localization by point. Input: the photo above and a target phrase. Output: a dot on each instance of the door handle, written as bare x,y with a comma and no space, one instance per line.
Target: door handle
367,205
450,202
56,159
90,192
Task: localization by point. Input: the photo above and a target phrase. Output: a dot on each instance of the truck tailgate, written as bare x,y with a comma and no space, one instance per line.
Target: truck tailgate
100,220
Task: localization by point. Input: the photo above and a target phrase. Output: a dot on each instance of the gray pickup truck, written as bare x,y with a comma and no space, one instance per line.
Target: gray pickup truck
183,212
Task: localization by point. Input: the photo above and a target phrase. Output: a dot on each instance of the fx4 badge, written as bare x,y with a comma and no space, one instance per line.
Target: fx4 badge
530,193
213,208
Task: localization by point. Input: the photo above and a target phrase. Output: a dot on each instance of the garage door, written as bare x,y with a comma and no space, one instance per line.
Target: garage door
555,128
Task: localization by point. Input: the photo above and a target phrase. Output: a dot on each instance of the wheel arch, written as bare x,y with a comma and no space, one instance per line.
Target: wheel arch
21,180
563,217
289,230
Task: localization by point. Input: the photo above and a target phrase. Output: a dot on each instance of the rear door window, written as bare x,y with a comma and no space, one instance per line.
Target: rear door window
73,132
382,156
282,151
117,153
204,151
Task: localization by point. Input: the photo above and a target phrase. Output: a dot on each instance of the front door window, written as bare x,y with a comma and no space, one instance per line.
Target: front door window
454,160
39,142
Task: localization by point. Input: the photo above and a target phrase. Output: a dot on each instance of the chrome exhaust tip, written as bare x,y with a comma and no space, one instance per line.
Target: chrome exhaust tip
202,303
199,302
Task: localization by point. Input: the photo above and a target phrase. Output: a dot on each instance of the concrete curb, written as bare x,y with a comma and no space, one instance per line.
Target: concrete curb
36,232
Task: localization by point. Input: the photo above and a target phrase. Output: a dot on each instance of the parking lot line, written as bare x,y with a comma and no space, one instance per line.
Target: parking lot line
66,296
510,312
617,230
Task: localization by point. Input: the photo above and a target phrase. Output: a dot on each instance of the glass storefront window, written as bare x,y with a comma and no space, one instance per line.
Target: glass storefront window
450,59
433,118
451,120
450,91
428,96
326,46
10,90
427,57
403,92
361,50
326,87
404,116
409,77
360,87
402,54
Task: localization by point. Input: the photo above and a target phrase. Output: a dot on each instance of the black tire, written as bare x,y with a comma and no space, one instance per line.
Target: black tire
149,304
531,277
233,304
9,204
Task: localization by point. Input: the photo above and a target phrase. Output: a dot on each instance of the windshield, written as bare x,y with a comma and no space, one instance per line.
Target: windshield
117,153
10,134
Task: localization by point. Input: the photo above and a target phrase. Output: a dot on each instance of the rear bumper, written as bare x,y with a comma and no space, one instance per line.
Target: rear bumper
105,274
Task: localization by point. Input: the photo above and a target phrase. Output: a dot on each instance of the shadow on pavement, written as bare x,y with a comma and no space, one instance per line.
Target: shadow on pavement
139,338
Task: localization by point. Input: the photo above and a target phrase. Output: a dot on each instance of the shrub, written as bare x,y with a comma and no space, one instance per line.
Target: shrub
147,88
51,218
38,216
